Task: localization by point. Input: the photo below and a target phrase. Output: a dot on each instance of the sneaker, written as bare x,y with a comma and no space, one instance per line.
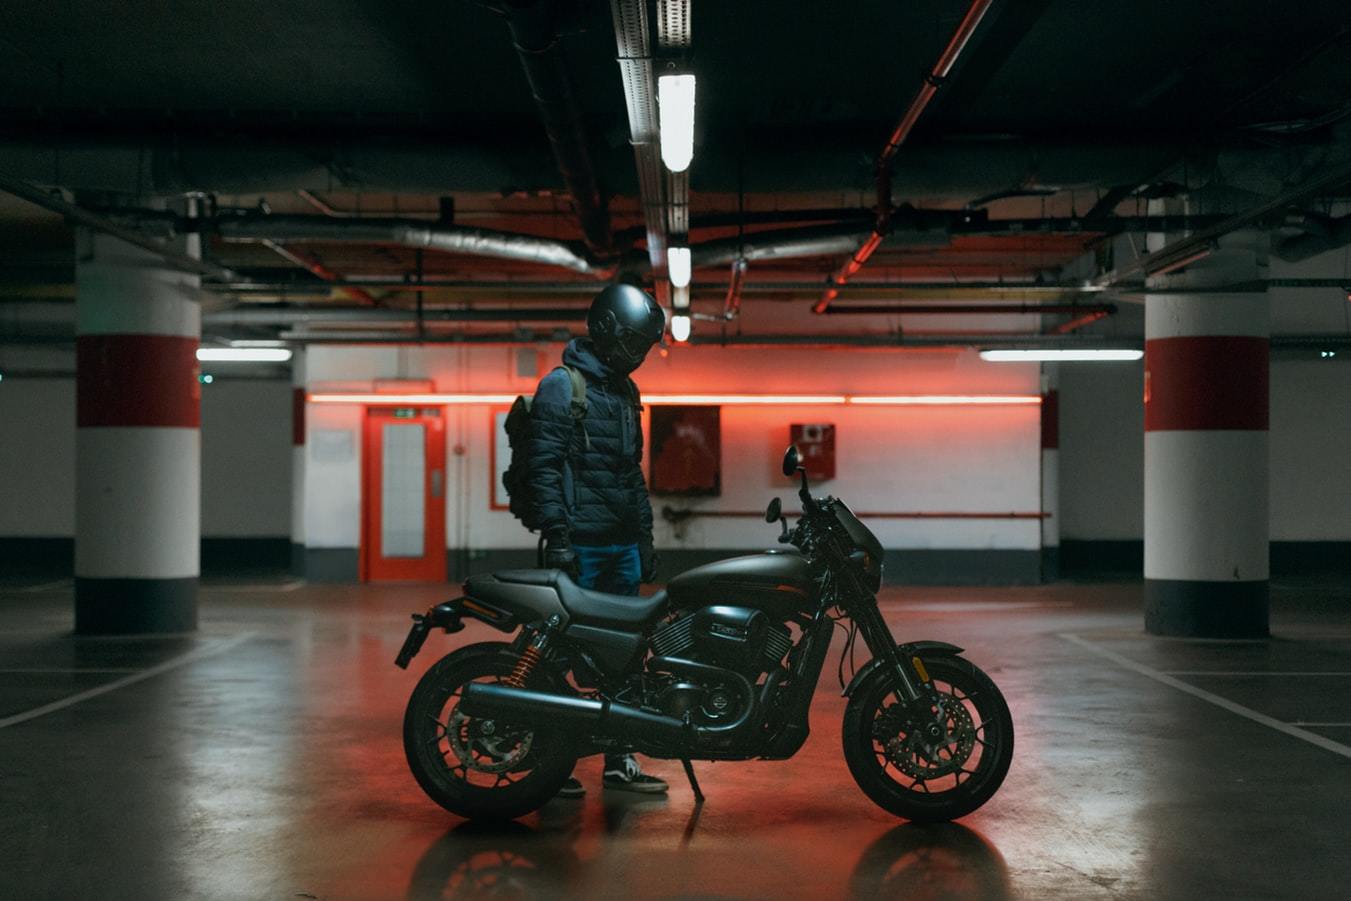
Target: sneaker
624,774
572,788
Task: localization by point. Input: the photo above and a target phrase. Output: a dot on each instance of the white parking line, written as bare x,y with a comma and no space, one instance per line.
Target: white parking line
1312,738
45,586
73,669
190,657
1206,672
263,586
1320,725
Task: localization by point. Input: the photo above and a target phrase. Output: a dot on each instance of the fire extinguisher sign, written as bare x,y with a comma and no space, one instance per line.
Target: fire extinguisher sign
816,443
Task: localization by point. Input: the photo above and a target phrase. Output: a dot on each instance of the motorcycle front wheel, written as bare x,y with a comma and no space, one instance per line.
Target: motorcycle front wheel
910,772
481,769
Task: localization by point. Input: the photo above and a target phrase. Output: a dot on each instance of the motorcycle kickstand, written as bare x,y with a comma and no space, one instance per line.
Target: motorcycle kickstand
694,783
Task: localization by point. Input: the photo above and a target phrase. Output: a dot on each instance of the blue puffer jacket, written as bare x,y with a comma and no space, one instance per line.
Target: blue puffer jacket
589,479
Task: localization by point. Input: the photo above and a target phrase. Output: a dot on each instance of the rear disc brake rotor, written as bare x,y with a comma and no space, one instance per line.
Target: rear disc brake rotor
919,758
484,746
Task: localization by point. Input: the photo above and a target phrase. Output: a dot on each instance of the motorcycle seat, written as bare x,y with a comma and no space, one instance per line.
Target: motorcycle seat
592,608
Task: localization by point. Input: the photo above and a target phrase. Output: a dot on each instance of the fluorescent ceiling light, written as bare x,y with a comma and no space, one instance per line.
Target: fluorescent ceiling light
678,265
1058,356
675,112
243,354
680,328
680,298
948,400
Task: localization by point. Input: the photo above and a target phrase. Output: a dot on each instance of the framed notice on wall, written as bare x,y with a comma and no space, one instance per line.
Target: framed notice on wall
686,451
816,443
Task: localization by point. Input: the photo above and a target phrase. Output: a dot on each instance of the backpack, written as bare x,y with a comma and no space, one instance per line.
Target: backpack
516,480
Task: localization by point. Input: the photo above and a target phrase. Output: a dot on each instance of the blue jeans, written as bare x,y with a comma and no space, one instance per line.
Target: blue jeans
611,568
614,569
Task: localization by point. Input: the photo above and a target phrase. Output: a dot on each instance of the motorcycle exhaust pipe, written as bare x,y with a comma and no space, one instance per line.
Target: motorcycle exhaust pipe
538,708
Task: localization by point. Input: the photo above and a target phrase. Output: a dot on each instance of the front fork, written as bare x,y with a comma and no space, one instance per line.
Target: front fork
877,636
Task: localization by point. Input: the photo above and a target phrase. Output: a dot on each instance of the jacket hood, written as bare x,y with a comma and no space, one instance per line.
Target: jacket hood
580,354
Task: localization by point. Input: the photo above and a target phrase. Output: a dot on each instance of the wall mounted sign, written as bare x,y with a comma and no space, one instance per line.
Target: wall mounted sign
816,443
686,451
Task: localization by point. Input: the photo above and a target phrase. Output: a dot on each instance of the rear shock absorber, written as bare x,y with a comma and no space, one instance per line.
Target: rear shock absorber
533,654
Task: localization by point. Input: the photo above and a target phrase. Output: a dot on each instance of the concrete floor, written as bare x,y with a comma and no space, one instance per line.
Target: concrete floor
261,758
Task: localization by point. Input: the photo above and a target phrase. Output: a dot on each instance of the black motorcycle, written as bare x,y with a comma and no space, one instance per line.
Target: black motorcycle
722,665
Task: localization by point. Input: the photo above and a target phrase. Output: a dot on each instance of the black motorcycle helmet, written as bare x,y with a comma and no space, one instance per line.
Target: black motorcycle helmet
624,323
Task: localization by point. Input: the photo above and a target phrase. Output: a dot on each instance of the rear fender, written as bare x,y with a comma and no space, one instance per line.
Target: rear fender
449,616
910,649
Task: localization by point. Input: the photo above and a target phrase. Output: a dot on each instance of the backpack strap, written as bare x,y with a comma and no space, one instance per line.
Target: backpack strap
634,394
579,404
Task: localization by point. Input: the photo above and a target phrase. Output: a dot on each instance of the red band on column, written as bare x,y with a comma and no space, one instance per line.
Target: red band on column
1050,420
137,380
1212,382
298,416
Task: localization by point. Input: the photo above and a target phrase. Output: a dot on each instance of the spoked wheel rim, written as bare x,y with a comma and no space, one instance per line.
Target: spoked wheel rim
481,753
946,753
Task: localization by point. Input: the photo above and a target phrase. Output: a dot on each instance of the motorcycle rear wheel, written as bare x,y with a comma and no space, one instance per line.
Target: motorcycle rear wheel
479,769
947,780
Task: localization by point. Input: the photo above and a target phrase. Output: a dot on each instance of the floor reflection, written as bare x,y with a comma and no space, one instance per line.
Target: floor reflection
507,860
931,863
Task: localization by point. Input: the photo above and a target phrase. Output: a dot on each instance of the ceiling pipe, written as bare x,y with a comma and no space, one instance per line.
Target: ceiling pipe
244,317
1321,234
535,35
1089,317
1183,249
912,309
731,304
319,270
414,233
779,244
936,76
80,216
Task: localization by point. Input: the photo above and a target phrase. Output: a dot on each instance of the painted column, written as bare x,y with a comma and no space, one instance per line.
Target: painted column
138,440
298,463
1206,467
1050,475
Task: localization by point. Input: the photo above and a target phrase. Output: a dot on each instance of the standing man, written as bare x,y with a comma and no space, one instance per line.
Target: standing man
586,472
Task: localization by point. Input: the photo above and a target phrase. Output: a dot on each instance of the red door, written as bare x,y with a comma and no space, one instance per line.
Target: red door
403,498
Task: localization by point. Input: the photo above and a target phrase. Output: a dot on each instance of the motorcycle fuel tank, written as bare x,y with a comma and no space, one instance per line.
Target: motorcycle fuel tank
778,584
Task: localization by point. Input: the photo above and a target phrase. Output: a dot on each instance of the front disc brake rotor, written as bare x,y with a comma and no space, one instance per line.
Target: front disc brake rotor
914,754
483,745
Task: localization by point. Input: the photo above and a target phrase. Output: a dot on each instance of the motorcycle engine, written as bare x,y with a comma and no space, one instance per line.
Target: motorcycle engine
738,638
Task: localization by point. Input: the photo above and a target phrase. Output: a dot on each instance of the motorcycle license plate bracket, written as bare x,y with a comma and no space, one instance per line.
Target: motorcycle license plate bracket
448,617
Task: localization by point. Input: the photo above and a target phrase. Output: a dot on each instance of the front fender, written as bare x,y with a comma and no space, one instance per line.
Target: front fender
908,650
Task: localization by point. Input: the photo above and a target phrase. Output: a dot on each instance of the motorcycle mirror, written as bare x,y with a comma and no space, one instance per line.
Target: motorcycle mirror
792,461
774,511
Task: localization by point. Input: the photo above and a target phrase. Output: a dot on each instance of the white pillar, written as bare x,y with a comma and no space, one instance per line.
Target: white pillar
1206,467
138,445
1050,474
298,409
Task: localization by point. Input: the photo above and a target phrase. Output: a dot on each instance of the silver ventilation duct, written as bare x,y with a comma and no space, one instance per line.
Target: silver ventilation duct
406,233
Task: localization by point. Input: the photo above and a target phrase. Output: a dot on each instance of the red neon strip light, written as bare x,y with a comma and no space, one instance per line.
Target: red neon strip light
748,400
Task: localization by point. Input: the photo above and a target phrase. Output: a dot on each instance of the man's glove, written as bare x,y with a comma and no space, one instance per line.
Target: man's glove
648,555
558,554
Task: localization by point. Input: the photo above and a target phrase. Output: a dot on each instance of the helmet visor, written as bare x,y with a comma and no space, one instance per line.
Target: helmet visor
633,345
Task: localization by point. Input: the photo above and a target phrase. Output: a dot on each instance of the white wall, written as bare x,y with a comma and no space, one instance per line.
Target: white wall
1102,456
1311,450
1102,451
888,459
37,458
246,458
